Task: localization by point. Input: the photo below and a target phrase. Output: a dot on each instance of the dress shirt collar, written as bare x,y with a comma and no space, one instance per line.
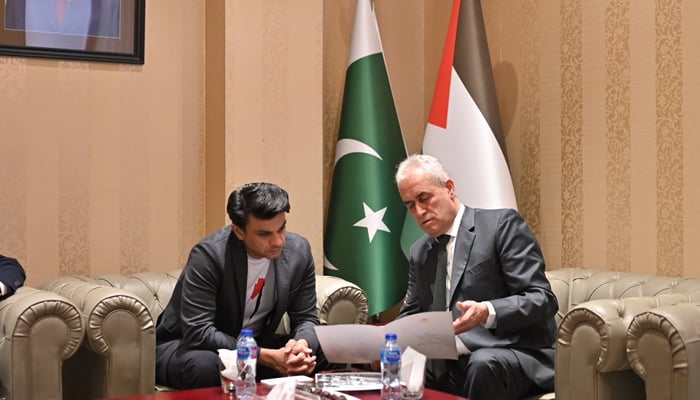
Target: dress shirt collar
456,222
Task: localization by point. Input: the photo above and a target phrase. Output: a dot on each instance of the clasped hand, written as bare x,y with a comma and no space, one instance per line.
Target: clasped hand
295,358
473,314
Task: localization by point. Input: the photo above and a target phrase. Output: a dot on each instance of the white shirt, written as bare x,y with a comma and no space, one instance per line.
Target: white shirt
260,294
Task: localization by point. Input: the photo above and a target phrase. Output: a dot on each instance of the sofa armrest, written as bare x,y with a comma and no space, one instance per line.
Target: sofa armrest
591,360
40,330
337,302
117,358
340,301
663,347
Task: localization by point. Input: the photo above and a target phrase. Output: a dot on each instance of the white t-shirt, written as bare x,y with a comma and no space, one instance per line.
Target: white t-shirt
260,294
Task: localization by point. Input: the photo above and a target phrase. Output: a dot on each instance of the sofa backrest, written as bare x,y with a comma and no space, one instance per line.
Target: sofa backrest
339,301
574,286
153,288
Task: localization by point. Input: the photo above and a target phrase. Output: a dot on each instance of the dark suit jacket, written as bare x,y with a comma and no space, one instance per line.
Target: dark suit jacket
206,308
11,274
496,258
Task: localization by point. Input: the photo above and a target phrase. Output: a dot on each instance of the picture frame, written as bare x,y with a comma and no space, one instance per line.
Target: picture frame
83,30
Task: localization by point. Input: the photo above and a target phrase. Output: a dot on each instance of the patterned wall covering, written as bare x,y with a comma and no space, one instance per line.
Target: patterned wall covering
530,185
669,136
102,164
605,155
597,104
598,100
571,48
618,133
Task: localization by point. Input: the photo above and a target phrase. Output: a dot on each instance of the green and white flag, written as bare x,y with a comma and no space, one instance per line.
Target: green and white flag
365,217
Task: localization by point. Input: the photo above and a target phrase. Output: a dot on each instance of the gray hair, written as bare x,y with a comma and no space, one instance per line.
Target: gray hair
428,164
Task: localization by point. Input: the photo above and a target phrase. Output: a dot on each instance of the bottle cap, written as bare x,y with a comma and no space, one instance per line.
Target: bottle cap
390,336
247,332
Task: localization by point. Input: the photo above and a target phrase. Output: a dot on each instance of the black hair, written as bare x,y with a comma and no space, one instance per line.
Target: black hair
261,200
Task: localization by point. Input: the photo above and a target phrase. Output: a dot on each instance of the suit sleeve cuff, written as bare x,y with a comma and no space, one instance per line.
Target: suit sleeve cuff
491,319
462,349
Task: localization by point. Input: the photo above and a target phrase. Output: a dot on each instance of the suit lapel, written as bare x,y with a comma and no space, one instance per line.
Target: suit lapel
463,246
240,270
282,280
233,285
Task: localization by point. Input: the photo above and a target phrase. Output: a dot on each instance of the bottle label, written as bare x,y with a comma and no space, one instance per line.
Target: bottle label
243,352
246,352
391,356
253,352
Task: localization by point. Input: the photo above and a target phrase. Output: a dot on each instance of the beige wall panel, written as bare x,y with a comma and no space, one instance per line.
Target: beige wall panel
244,88
493,23
214,156
505,49
105,172
103,166
401,26
73,166
511,78
691,123
304,100
13,171
502,68
274,125
42,171
505,58
594,135
550,139
192,185
643,201
139,159
337,28
164,149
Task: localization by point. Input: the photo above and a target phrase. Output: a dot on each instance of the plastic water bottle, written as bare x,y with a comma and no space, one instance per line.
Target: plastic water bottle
391,368
247,350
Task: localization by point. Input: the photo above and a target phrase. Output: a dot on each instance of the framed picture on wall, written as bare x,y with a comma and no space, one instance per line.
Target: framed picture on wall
86,30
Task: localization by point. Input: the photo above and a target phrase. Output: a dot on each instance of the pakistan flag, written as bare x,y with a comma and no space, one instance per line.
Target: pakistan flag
366,215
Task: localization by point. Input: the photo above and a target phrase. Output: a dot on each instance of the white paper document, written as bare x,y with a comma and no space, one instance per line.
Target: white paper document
430,333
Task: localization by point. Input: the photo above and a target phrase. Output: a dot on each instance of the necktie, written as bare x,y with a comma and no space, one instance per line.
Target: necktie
439,286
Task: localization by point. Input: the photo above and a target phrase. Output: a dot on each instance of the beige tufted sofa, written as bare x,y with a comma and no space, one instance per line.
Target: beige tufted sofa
117,357
40,330
626,336
663,347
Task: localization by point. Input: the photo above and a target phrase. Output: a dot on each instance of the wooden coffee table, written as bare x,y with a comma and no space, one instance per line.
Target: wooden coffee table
215,393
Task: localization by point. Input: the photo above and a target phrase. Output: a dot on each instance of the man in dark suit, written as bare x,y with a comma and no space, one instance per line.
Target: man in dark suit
245,275
495,286
12,276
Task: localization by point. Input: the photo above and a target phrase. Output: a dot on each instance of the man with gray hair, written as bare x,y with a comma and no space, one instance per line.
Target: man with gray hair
486,267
